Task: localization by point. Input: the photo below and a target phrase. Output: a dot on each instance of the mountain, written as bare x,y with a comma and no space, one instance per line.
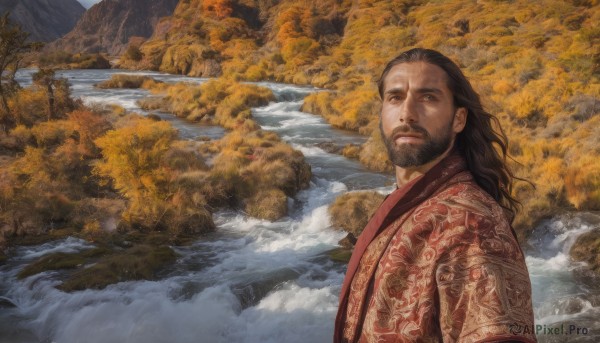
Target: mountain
108,25
45,20
88,3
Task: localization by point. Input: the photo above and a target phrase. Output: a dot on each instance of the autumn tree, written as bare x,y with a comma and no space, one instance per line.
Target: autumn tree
44,78
143,162
12,46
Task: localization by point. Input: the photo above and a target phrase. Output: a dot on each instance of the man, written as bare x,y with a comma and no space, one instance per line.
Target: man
439,260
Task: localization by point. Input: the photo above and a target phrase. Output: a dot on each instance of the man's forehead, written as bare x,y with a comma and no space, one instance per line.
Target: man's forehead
419,74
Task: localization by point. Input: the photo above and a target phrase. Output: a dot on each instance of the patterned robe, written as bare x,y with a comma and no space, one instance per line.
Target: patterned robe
438,262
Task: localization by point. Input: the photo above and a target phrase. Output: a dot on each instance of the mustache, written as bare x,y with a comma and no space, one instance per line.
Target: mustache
409,128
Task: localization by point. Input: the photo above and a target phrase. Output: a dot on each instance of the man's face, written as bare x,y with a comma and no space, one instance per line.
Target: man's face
418,119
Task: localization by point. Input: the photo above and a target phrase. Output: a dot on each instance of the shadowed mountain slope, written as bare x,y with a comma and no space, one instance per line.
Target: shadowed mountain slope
44,20
108,25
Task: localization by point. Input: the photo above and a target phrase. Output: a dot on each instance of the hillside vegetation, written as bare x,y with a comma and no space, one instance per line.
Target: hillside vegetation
535,64
128,182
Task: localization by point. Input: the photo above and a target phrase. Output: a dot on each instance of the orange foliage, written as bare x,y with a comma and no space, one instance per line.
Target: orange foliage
299,51
220,8
144,163
535,65
582,182
132,156
260,171
288,24
89,126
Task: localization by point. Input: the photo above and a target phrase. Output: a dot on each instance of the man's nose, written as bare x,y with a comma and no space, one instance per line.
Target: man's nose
408,110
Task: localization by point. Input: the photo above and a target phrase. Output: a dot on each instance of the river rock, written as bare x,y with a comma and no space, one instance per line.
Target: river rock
587,249
348,242
6,303
329,147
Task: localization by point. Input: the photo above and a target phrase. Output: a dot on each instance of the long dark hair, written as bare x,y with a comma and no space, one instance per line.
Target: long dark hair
478,139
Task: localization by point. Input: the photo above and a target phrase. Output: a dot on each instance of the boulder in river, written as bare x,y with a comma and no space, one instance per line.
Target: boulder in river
587,249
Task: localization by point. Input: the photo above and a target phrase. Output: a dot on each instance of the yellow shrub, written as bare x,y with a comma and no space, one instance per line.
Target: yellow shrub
132,157
22,135
503,87
29,106
524,105
582,182
352,211
299,51
127,81
374,154
52,133
255,73
550,178
270,204
356,108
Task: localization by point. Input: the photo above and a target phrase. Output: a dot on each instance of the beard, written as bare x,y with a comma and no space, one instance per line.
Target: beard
408,155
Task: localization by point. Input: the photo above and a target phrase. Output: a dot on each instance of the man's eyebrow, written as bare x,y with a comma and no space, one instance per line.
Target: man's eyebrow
394,90
418,90
429,90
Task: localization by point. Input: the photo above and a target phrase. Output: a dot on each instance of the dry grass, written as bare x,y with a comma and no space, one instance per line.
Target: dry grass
352,211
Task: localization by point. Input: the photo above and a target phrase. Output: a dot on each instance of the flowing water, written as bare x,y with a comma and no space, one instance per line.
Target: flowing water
566,301
254,280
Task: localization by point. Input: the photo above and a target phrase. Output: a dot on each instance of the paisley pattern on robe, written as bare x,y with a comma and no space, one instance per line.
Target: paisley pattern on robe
449,269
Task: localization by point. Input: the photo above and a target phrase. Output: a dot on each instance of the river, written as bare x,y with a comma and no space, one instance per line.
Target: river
254,280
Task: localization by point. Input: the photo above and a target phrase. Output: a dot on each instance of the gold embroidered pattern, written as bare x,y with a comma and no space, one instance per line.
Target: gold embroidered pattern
448,269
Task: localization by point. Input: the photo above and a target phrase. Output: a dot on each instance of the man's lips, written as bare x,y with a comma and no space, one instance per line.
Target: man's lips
407,137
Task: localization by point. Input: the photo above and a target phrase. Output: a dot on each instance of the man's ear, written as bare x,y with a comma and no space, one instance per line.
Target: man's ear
460,119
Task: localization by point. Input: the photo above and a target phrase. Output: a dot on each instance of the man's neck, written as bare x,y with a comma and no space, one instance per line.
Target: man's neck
405,175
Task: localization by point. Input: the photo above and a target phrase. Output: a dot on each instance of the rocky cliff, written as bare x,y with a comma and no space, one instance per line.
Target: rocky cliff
45,20
108,25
